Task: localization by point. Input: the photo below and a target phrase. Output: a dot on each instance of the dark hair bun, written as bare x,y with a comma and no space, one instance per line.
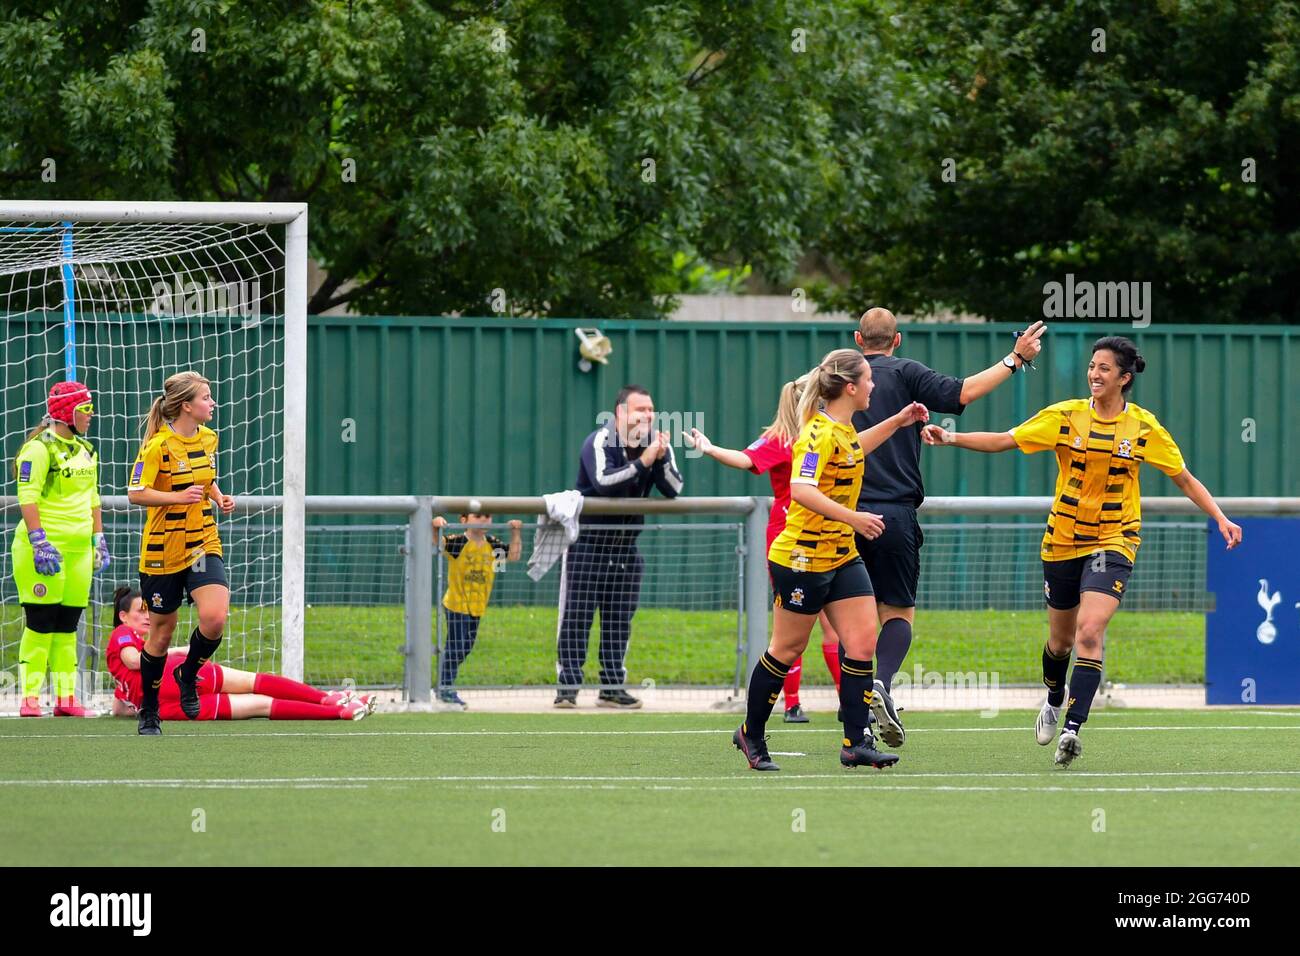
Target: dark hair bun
1139,364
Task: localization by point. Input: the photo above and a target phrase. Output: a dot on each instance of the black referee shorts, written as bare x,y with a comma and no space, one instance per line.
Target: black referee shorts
894,559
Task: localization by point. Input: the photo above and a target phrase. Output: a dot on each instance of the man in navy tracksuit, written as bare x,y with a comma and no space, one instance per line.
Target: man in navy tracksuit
602,569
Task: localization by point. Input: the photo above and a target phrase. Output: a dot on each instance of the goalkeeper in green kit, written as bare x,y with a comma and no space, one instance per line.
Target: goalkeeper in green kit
58,545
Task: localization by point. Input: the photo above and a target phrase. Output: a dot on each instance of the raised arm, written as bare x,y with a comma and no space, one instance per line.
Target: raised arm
516,549
664,470
1196,492
1026,348
608,479
726,456
872,438
975,441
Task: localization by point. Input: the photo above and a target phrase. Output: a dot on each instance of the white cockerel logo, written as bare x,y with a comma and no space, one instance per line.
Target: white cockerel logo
1266,632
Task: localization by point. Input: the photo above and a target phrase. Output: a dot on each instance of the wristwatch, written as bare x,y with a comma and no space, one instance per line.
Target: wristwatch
1010,363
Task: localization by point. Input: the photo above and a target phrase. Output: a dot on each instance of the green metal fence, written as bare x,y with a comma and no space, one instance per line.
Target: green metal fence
499,406
402,405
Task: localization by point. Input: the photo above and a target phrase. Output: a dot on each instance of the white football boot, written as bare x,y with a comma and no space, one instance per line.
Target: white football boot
1048,719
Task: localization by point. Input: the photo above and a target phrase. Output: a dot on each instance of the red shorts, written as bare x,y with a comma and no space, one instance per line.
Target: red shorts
213,705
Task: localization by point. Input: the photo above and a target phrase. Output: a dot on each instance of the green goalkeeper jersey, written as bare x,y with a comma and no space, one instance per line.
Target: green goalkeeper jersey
61,476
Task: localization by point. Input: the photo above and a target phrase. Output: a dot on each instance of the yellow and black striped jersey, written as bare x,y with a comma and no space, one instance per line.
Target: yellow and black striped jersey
472,567
174,535
826,455
1098,503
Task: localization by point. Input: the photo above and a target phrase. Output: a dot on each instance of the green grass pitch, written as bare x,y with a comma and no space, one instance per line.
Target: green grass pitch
1194,788
516,645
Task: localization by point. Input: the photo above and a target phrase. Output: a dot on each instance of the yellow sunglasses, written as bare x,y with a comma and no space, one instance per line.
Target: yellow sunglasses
86,408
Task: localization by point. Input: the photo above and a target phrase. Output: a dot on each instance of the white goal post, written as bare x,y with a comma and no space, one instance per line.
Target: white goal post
92,261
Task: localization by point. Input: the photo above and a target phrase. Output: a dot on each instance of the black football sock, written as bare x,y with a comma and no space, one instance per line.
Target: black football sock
764,688
1083,687
1054,669
891,647
201,651
857,678
151,673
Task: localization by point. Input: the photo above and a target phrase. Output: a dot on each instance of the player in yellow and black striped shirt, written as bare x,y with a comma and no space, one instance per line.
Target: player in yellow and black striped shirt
473,560
175,477
814,563
1094,529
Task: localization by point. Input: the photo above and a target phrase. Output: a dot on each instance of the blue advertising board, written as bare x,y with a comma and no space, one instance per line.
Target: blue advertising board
1252,637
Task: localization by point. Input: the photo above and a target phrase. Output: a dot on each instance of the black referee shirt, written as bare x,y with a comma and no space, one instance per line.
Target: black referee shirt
893,472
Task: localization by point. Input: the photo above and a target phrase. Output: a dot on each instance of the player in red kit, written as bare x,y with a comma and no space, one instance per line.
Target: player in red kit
224,692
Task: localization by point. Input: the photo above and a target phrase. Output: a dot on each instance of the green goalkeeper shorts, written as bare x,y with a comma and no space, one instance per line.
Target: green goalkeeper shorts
70,587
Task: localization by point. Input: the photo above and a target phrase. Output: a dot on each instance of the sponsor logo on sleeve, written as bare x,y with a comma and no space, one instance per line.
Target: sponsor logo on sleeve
136,474
25,471
808,467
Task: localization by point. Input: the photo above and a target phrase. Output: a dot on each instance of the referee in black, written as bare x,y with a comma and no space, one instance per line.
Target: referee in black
892,485
625,458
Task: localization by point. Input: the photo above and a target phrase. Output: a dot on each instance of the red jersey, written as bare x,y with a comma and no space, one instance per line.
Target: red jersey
773,456
128,681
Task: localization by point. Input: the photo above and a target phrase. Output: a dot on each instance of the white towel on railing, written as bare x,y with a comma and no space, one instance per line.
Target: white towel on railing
556,530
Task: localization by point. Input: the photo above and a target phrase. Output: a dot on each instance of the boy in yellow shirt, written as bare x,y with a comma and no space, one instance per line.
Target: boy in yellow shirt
473,558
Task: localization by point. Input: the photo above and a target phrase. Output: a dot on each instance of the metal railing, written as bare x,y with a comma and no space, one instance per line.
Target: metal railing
420,598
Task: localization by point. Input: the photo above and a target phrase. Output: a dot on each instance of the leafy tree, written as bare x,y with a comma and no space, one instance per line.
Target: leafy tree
1173,157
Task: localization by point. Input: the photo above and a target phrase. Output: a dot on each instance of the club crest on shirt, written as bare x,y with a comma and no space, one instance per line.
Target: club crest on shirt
808,467
38,589
1078,440
1125,449
182,465
796,597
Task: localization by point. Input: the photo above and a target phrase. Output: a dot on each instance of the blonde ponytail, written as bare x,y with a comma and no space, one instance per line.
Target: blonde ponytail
153,420
826,382
785,426
177,390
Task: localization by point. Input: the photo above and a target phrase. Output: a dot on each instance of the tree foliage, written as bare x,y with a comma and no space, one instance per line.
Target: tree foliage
574,154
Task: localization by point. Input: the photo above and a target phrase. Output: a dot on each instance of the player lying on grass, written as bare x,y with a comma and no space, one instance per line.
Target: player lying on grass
224,692
814,564
1093,529
473,559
